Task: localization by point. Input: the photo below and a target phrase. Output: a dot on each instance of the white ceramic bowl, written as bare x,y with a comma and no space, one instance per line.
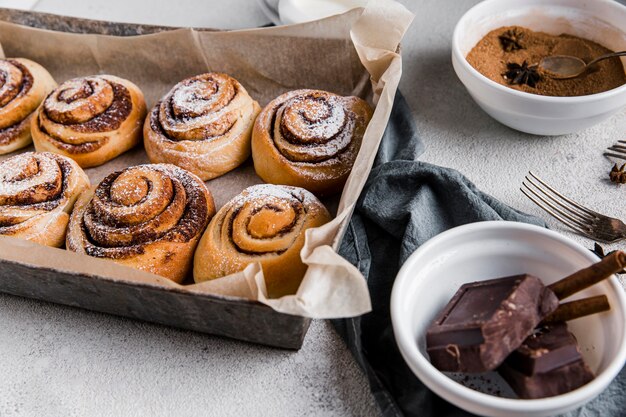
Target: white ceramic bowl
486,250
601,21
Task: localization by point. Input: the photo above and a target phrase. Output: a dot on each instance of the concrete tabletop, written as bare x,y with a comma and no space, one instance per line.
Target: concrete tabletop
60,361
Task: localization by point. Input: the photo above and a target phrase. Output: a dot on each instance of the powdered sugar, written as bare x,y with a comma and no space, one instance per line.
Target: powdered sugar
201,94
314,117
312,150
35,188
11,81
312,127
139,206
193,98
25,171
72,94
291,123
200,107
89,116
272,192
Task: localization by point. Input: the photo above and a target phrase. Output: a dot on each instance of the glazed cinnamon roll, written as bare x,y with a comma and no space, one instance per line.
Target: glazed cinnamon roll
266,224
37,193
148,217
203,125
23,86
309,139
91,119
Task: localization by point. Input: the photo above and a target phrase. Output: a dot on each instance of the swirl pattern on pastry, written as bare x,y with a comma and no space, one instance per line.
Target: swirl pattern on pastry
91,119
23,86
149,217
203,124
309,139
37,193
266,224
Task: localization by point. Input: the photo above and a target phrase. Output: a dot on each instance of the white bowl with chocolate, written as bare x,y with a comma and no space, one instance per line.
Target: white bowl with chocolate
474,254
543,105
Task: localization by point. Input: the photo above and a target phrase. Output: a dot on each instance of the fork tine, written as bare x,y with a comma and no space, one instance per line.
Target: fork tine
614,155
560,218
621,149
555,210
570,201
618,151
538,189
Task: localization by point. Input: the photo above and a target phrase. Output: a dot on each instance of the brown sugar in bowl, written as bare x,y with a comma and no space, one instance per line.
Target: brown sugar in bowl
600,22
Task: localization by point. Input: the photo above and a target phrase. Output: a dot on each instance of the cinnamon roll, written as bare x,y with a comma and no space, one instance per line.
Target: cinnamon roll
266,224
203,125
309,139
148,217
23,86
91,119
37,193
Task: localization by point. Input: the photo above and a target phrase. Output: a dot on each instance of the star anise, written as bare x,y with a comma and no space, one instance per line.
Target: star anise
522,74
598,250
618,174
511,40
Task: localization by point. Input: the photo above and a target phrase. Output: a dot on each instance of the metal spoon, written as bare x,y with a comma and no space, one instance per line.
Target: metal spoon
564,66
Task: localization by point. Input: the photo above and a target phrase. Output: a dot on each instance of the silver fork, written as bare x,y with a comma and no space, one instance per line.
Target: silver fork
584,221
618,151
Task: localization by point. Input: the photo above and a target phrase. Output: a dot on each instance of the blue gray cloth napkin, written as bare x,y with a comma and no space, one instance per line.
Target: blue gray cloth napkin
404,203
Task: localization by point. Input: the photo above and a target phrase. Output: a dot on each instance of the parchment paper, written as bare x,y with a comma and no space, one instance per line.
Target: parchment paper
341,54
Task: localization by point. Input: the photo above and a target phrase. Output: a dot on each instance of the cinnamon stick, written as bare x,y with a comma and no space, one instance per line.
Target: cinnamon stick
578,308
589,276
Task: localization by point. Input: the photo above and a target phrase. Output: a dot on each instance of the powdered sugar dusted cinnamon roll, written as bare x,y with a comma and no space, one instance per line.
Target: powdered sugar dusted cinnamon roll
309,139
90,119
203,125
148,217
266,224
37,193
23,86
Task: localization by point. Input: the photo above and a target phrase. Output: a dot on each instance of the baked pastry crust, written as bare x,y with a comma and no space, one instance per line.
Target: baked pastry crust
37,193
203,124
90,119
148,217
309,139
266,224
23,86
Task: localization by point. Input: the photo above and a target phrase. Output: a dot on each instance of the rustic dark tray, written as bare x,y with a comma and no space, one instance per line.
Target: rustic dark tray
77,25
236,318
231,317
62,279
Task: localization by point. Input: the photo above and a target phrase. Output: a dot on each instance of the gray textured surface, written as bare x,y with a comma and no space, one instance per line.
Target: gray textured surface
460,135
60,361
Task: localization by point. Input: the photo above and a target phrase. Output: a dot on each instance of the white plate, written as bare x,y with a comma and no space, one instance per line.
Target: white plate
19,4
298,11
270,9
486,250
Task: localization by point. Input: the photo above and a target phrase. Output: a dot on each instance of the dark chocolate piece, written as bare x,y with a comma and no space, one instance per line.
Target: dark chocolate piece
548,363
485,321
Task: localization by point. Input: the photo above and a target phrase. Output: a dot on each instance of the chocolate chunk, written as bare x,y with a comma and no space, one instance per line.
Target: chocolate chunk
487,320
548,363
